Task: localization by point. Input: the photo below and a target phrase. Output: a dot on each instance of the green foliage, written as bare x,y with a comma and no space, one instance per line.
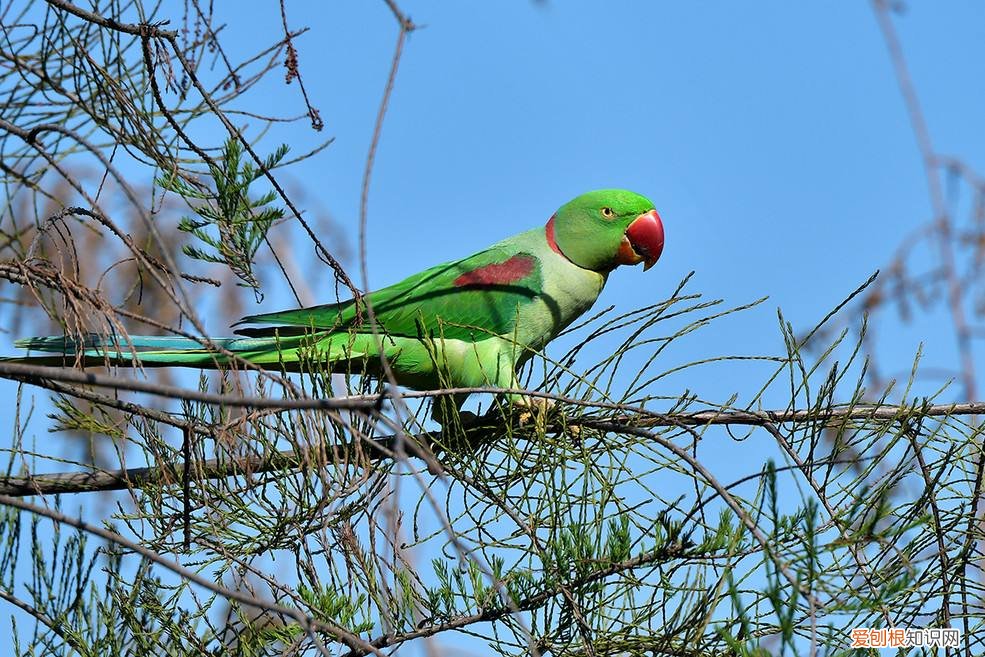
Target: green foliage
71,416
231,222
607,528
327,604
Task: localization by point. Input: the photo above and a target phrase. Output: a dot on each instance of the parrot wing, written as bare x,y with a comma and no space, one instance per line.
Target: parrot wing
467,299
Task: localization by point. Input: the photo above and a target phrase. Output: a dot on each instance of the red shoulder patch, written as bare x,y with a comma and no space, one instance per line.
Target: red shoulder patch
499,273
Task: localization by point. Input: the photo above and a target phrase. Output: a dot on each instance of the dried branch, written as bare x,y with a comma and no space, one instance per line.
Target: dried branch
384,447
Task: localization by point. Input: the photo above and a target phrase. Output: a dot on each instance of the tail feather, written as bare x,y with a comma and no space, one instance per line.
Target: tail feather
70,345
163,351
150,350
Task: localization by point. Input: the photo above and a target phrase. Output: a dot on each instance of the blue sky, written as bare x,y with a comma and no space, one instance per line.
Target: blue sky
771,136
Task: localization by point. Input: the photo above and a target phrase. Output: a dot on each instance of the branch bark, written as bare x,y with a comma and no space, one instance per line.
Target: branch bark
385,447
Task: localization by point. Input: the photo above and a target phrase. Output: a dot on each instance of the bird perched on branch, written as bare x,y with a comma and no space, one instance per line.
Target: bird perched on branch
468,323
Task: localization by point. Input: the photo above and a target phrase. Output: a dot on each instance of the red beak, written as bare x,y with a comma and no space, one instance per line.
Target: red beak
644,239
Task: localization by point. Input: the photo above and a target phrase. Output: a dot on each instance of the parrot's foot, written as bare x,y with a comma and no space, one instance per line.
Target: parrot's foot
539,412
533,410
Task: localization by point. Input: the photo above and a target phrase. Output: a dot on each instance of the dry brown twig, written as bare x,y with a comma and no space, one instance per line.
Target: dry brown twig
554,533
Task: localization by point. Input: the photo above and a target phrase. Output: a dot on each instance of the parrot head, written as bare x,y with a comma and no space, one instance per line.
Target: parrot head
604,229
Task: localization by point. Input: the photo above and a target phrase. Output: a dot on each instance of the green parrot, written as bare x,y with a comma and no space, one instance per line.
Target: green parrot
467,323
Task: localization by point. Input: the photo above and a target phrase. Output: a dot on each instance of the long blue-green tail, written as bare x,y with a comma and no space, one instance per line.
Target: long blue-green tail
159,351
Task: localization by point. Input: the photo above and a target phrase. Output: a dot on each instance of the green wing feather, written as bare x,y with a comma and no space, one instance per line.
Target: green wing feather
462,300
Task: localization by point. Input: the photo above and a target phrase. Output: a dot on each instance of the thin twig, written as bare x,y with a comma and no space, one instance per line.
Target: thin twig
310,625
383,446
111,23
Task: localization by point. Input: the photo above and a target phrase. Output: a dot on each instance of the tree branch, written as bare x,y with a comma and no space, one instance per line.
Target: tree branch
111,23
311,625
384,447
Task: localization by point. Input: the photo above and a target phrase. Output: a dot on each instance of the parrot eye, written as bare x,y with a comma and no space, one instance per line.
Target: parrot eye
608,213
